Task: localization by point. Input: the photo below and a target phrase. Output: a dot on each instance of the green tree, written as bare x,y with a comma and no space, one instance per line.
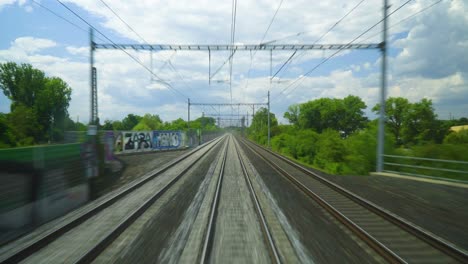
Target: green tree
292,115
107,125
148,122
130,121
44,99
258,130
345,115
396,111
353,118
21,83
420,124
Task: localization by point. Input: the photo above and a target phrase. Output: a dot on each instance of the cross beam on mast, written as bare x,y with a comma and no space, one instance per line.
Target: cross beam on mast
237,47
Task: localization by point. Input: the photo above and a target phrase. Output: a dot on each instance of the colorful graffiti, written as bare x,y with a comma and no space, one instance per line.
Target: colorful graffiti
166,139
130,141
137,140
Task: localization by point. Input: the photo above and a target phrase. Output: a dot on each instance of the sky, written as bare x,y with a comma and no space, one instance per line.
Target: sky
428,55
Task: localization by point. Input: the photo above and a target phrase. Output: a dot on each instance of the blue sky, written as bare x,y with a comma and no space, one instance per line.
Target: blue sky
427,56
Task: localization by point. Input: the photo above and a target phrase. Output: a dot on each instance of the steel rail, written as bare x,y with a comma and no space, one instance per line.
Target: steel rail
433,240
264,226
209,234
380,248
90,255
30,248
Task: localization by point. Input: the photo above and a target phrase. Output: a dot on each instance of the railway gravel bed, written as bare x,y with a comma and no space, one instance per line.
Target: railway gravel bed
324,238
136,165
440,209
152,237
70,246
238,237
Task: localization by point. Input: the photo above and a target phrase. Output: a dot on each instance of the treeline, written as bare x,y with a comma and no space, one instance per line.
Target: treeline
154,122
38,111
334,135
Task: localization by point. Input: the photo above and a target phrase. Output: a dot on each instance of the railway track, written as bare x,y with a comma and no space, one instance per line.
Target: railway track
206,251
393,238
106,220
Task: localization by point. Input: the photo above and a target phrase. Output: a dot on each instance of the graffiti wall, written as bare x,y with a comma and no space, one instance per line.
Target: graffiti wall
134,141
166,139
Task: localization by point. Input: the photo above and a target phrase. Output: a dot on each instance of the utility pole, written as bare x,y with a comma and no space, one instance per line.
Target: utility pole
381,135
91,75
188,114
271,72
268,119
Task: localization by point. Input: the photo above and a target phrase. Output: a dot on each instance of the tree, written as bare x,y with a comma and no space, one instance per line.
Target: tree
345,115
44,99
396,111
148,122
293,114
420,123
130,121
21,83
258,130
353,119
107,125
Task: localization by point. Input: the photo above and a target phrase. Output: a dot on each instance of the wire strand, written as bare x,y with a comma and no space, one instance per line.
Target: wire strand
131,56
299,80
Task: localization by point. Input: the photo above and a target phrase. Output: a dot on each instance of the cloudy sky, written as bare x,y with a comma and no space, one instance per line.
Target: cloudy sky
428,55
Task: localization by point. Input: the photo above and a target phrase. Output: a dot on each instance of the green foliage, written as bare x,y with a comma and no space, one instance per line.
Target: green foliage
39,104
258,130
108,125
460,137
413,123
292,115
204,123
130,121
178,124
345,115
148,122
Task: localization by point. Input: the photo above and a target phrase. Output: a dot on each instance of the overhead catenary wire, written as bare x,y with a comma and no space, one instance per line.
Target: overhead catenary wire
288,61
123,21
406,18
261,41
167,60
130,55
61,17
300,79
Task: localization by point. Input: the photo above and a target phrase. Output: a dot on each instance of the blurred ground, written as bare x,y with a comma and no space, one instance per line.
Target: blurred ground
137,165
440,209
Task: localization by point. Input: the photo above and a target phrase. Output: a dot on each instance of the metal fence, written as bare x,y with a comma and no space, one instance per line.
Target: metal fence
449,170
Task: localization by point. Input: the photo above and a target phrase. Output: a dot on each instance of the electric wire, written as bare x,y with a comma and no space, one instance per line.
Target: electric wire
61,17
287,62
300,79
123,21
406,18
261,41
130,55
167,61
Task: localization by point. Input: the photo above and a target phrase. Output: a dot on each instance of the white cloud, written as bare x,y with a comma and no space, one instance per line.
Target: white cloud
430,60
81,51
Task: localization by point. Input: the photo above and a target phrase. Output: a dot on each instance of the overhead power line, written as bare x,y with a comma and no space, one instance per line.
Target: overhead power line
123,21
261,42
167,60
406,18
233,36
299,80
61,17
288,61
130,55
